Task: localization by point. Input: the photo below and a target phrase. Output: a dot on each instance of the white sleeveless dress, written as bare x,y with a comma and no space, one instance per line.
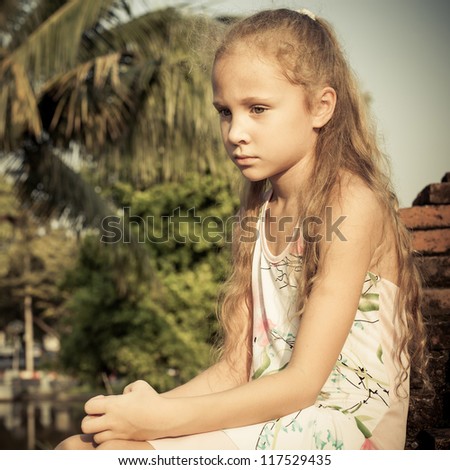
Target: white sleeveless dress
357,406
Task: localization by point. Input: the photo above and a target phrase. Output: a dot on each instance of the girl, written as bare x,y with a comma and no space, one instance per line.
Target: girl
321,313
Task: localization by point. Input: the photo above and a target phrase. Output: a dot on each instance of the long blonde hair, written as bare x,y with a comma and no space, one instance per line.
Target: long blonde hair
309,55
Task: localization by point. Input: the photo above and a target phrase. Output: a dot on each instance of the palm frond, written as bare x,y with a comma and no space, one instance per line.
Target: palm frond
18,106
94,102
148,33
175,128
54,46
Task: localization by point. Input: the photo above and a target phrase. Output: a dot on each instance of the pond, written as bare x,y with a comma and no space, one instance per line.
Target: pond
38,424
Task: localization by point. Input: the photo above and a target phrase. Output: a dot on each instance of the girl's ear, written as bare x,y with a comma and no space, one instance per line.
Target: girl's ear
324,107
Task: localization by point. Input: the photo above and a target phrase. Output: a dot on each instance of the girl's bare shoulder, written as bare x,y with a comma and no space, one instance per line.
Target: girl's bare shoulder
353,196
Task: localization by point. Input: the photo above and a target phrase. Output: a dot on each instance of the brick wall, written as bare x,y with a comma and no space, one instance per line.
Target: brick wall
429,221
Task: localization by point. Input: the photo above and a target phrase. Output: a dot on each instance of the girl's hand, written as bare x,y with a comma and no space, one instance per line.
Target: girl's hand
139,414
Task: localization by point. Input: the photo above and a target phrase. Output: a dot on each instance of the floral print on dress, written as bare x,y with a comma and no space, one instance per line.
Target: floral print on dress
285,270
363,390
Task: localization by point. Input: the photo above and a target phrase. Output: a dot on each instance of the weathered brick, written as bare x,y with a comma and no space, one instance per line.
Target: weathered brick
426,217
446,404
434,439
436,304
435,270
428,220
436,310
436,193
438,335
426,406
431,241
424,411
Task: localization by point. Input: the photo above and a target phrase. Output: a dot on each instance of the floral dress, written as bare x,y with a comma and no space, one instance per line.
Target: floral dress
357,406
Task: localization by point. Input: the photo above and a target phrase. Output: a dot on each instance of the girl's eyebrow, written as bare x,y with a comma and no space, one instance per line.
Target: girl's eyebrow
248,100
255,99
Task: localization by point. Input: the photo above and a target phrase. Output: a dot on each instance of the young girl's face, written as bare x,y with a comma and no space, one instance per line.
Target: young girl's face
266,128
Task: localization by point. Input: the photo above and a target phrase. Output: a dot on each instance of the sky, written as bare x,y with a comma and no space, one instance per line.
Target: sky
400,53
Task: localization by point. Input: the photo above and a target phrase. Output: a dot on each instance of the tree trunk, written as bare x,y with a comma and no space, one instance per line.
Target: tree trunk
28,301
29,336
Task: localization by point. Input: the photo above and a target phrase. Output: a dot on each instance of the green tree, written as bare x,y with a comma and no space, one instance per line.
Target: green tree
156,323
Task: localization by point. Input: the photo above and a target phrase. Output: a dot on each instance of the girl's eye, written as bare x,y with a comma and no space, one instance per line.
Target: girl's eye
224,112
258,109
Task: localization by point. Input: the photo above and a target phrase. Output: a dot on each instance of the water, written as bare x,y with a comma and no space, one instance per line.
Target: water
38,424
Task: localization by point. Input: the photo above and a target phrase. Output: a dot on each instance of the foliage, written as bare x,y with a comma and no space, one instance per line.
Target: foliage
50,251
152,318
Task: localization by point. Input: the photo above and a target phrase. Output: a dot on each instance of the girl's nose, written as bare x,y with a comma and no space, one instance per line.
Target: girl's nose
237,133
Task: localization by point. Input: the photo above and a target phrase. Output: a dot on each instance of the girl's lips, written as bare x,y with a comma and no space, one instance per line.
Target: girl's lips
244,159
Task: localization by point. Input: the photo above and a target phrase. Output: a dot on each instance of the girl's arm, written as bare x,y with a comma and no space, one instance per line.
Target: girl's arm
217,378
324,327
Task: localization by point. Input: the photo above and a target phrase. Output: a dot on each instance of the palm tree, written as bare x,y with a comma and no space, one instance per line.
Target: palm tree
129,95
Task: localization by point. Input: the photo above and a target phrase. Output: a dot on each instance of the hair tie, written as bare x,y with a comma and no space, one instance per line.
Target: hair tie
308,13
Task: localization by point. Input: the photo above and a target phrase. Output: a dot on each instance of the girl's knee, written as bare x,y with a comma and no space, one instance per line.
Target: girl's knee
78,442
